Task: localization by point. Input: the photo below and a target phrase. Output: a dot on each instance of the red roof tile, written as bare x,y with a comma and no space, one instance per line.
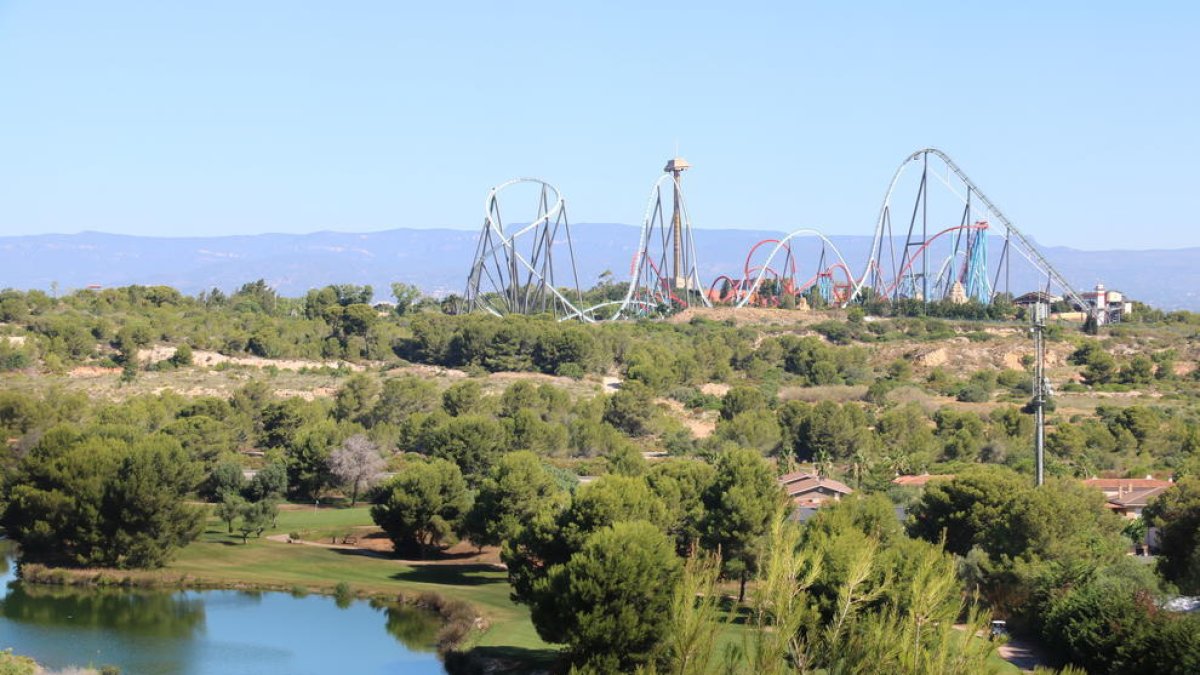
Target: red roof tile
920,481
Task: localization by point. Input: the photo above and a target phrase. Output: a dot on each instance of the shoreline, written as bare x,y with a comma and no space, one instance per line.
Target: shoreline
461,620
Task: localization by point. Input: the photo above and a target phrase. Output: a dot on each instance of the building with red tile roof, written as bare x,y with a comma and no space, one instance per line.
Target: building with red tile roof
1129,496
810,490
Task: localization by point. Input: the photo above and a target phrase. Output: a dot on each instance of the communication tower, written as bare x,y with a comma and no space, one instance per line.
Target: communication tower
1041,388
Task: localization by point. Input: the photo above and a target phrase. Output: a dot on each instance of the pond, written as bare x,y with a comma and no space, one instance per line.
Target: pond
200,632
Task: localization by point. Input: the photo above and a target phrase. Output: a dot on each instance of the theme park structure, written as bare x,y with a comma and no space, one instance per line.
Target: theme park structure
932,241
513,270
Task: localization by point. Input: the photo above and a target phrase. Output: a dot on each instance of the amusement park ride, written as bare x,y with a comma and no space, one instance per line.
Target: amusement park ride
931,242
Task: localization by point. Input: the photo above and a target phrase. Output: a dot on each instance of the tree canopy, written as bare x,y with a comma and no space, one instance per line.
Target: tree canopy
420,507
101,500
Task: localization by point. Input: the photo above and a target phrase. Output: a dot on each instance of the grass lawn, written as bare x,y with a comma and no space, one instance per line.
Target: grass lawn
221,558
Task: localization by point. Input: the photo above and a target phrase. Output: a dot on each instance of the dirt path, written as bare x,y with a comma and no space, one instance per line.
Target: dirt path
1021,653
208,359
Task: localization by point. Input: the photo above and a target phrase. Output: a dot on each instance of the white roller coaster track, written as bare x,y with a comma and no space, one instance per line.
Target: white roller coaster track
635,277
1023,245
491,214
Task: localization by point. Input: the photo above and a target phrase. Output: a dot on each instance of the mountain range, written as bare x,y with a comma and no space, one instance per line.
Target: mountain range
437,261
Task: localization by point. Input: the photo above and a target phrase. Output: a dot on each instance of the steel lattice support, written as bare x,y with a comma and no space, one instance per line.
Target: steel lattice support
514,267
912,275
664,275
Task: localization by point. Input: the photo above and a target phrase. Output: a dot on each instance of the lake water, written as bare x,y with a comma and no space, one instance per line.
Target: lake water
211,632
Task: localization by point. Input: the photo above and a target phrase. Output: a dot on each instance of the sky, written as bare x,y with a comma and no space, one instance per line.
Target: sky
1078,119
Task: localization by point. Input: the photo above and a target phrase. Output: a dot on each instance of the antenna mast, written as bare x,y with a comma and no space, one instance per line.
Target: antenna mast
1040,388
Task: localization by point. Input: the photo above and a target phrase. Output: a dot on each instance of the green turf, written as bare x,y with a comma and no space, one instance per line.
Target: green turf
221,558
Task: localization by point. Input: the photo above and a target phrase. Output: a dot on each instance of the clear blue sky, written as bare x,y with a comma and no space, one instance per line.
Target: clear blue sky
1080,119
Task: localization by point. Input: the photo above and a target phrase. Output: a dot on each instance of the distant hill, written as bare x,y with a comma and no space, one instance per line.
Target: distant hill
437,260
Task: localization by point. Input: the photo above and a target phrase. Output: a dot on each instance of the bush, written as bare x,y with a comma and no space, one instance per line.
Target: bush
973,392
342,594
11,664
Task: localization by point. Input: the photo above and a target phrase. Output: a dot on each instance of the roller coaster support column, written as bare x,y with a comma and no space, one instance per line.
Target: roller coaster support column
676,167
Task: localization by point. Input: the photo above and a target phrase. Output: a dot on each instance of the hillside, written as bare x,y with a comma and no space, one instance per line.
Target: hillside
437,261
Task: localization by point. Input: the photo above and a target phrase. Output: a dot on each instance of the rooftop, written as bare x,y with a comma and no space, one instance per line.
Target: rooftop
1126,484
1136,498
921,480
798,484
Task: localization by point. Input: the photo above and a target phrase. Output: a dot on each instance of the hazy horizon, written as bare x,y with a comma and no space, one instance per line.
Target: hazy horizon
225,117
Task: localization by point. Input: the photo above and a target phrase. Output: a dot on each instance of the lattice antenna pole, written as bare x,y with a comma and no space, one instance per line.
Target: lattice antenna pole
1039,389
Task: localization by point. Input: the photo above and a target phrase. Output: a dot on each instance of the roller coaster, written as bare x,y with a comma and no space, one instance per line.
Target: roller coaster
931,242
513,270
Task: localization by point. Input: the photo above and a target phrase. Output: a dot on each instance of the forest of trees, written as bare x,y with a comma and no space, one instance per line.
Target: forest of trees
700,536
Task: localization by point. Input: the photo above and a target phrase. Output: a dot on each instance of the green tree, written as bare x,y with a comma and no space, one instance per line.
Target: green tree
1105,620
401,397
270,482
420,507
824,430
230,508
612,597
280,421
630,409
1139,371
308,473
1176,514
625,459
518,490
256,516
89,499
551,538
758,429
1100,368
406,296
462,398
1017,528
472,442
256,296
680,484
740,505
741,399
695,619
356,398
226,478
182,356
144,511
519,396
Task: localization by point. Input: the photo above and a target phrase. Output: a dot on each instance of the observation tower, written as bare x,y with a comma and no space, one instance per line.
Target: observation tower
676,167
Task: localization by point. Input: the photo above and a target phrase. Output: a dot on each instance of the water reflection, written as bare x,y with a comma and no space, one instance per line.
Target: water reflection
201,632
415,628
141,614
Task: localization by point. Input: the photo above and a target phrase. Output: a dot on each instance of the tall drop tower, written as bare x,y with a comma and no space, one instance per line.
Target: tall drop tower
676,167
